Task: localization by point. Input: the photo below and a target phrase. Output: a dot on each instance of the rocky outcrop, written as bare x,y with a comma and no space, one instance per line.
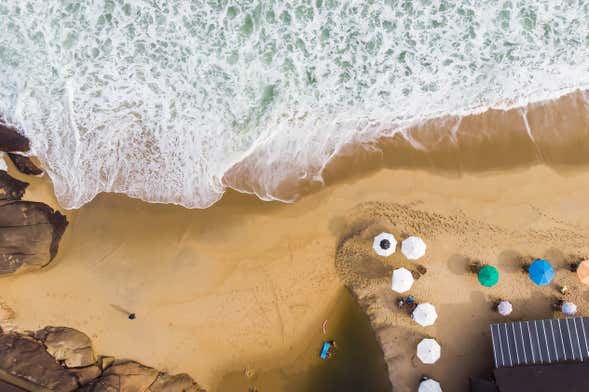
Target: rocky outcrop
68,345
25,165
29,234
11,188
176,383
130,376
6,312
62,359
29,231
124,376
26,360
11,140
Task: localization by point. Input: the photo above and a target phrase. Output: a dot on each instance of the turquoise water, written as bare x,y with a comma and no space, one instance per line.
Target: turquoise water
158,99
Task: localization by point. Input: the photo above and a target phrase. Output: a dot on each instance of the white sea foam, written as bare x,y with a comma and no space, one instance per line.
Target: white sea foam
158,99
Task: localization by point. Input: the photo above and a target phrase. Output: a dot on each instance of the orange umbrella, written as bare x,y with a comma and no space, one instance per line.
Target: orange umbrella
583,272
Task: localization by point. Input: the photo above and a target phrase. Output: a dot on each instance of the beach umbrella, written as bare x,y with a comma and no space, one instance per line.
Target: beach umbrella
429,385
413,248
569,309
488,276
541,272
402,280
384,244
504,308
583,272
425,314
428,351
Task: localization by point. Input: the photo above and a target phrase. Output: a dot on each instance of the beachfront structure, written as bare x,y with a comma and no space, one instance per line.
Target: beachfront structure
539,355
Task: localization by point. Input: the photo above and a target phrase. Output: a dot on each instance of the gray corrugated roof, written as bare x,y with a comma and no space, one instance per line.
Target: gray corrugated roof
540,341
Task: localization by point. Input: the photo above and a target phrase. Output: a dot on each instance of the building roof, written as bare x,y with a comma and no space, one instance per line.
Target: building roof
539,342
570,377
481,385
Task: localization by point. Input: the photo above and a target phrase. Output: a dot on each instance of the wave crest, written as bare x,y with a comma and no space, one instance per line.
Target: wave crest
174,101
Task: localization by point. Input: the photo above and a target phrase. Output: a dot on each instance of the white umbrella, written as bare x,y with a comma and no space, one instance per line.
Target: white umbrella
425,314
569,309
413,248
504,308
429,385
428,351
384,244
402,280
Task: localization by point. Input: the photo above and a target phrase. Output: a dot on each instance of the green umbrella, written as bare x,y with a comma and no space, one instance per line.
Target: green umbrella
488,276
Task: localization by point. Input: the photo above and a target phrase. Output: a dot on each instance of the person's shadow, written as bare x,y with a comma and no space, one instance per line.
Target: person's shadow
127,313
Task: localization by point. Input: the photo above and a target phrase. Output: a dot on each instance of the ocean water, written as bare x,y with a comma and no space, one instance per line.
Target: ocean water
159,99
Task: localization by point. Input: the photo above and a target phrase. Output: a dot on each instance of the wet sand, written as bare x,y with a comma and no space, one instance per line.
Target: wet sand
247,284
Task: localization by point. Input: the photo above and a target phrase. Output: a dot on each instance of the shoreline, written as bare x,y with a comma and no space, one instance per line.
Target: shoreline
252,278
543,132
448,143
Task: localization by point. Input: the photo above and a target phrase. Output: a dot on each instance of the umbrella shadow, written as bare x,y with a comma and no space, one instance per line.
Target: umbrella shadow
555,257
511,261
458,264
371,268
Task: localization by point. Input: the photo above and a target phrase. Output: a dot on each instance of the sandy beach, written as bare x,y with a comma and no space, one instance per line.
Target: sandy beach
244,286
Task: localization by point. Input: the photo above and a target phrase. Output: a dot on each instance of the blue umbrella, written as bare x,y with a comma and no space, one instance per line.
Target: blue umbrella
541,272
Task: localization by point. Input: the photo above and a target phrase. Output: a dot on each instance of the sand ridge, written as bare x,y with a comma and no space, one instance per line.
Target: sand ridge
465,308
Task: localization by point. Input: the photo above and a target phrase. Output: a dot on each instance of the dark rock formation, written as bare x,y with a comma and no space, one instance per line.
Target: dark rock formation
69,345
27,361
40,363
29,231
25,164
11,188
86,374
127,376
132,376
29,234
176,383
11,140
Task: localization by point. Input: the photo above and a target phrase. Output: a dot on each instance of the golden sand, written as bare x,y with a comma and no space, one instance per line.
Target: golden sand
246,284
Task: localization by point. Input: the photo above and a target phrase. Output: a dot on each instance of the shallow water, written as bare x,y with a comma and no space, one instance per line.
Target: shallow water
358,365
161,99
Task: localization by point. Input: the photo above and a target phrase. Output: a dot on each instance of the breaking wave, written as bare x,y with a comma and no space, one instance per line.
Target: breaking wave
161,99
